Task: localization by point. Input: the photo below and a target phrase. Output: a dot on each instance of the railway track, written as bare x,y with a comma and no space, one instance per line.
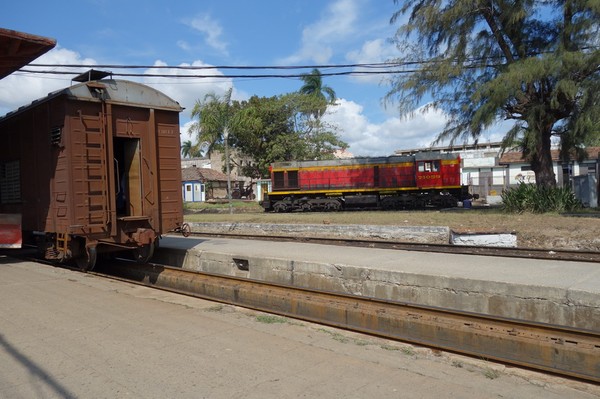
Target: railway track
558,350
529,253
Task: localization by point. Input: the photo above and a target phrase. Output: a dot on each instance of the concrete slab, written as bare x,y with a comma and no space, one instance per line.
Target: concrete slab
483,239
419,234
556,292
65,334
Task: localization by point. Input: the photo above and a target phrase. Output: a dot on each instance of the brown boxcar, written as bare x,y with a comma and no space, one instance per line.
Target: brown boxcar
395,182
92,168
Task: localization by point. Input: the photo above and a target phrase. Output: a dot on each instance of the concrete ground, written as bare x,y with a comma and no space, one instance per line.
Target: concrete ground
65,334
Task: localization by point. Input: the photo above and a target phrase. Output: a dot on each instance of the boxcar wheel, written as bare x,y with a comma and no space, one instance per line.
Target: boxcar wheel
87,261
144,253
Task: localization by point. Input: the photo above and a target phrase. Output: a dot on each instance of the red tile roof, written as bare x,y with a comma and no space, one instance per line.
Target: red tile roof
203,174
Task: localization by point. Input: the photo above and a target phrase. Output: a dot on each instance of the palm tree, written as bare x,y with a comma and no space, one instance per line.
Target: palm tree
313,86
213,116
186,148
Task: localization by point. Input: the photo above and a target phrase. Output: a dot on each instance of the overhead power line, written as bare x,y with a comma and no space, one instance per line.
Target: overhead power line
241,67
361,69
357,69
229,76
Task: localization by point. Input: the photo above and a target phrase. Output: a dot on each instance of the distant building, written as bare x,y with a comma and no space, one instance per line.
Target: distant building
202,184
196,162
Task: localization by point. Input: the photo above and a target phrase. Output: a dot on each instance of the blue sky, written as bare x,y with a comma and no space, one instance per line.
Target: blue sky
228,32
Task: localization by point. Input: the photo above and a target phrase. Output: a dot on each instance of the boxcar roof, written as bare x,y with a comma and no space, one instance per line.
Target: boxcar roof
114,91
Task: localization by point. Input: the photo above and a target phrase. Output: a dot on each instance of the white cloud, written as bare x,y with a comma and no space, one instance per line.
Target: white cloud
187,91
336,24
369,139
185,46
21,88
372,51
211,29
185,136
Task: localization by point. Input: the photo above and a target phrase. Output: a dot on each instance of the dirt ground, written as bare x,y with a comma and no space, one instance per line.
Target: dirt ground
549,231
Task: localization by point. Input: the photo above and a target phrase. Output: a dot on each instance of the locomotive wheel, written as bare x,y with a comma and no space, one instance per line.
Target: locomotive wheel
87,261
144,253
280,207
306,207
333,206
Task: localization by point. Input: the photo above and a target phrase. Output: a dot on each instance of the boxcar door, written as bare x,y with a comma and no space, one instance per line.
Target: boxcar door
128,171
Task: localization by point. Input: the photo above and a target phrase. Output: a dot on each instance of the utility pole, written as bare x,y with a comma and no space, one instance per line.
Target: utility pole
226,135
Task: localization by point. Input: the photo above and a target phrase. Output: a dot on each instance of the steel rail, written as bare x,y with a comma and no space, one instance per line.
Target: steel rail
529,253
555,349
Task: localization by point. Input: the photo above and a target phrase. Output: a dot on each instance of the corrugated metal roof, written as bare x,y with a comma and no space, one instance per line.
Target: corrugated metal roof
114,91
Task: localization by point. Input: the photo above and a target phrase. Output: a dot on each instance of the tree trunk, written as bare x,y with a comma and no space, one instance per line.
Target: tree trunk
541,161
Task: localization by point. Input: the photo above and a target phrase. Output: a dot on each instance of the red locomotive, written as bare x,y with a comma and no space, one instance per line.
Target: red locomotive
93,168
396,182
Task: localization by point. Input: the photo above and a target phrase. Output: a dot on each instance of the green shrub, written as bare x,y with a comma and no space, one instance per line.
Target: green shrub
534,199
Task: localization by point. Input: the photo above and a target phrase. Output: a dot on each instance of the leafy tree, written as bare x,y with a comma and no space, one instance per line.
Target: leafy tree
277,129
266,119
322,95
534,62
318,139
266,130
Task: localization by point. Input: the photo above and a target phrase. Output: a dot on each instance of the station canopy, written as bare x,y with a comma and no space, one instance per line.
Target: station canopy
18,49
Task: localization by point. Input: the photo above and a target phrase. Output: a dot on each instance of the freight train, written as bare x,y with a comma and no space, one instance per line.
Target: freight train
93,168
414,181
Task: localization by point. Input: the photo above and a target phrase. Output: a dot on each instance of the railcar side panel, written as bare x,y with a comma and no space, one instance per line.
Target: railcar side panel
168,151
334,178
451,172
397,175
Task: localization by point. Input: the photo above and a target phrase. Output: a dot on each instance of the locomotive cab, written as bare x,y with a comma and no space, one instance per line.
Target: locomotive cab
429,174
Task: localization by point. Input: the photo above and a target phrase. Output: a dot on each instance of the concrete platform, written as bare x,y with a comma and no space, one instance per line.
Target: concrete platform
556,292
65,334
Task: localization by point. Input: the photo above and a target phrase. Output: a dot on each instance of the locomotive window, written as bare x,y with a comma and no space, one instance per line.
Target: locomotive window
10,182
293,179
429,166
278,181
424,166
